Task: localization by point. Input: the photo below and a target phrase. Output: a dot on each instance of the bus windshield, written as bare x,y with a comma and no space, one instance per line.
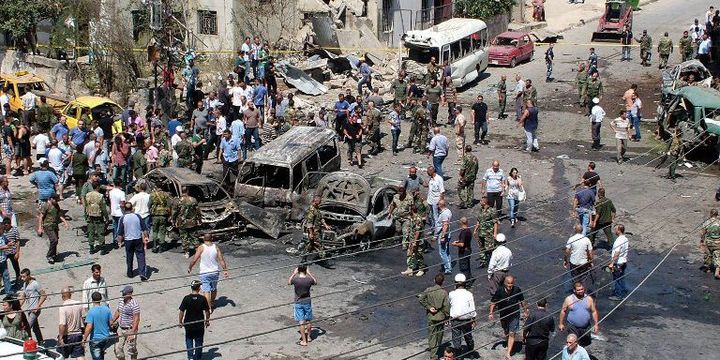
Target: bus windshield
423,54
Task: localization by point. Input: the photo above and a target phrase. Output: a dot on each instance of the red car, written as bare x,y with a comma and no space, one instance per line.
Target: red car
510,48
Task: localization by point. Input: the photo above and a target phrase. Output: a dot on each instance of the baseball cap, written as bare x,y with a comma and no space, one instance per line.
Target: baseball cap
127,290
179,129
500,238
596,100
460,278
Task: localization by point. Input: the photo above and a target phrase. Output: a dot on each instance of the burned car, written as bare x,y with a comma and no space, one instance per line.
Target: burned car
695,110
678,76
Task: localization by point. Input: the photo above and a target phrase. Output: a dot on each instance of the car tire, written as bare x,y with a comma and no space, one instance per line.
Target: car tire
513,62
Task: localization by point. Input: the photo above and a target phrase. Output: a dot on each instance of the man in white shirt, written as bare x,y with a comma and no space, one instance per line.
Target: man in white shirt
500,262
621,127
95,283
117,200
174,140
462,314
442,231
40,142
519,91
492,185
4,99
704,50
459,133
141,203
618,263
578,257
597,114
436,191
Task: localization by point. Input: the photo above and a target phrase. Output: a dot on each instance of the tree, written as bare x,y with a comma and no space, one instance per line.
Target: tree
484,9
19,19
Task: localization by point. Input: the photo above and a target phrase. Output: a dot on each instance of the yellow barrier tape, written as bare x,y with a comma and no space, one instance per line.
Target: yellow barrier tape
233,52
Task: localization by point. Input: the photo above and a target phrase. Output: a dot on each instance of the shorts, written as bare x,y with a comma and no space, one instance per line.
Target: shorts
303,312
511,324
209,281
7,152
74,347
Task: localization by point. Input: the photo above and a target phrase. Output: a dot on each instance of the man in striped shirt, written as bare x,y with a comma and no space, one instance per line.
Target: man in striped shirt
127,319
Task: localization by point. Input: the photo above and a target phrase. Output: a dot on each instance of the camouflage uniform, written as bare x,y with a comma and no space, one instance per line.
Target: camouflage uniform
466,182
399,87
413,127
645,49
686,48
415,259
159,211
665,48
486,220
45,118
97,216
421,123
581,81
401,213
186,153
711,228
675,153
164,158
593,89
502,98
374,117
186,218
530,93
313,220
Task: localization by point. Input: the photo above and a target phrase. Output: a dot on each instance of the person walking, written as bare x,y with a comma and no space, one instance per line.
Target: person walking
576,314
645,48
70,320
618,263
686,47
49,220
675,153
665,48
519,92
486,229
581,80
583,204
12,241
442,232
573,351
626,39
133,232
459,123
395,122
597,114
117,200
365,76
529,121
185,219
502,96
479,114
303,280
499,265
415,260
93,284
621,126
211,259
374,118
592,62
492,185
464,247
466,181
578,257
399,210
194,317
603,216
98,322
536,333
32,298
549,58
593,89
127,320
433,95
462,314
513,188
508,299
141,203
4,247
436,191
313,224
436,303
159,212
97,216
439,148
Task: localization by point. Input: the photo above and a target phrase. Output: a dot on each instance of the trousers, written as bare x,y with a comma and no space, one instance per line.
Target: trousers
595,130
122,341
536,350
495,200
478,127
194,344
435,336
96,231
158,233
52,234
462,329
135,249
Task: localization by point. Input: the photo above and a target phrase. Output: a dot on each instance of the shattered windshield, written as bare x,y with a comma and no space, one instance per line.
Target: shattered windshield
207,193
35,86
712,113
423,54
503,41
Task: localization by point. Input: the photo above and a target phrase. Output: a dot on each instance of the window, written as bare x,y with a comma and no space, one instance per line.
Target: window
455,50
139,22
327,153
311,163
423,55
207,22
465,46
71,111
297,177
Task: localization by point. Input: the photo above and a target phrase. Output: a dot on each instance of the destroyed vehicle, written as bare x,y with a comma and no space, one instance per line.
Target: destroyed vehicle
511,48
277,174
678,76
91,107
356,209
217,208
12,349
618,14
460,42
696,111
17,84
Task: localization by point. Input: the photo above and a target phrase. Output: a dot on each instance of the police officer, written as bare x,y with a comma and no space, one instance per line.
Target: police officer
185,151
433,93
400,211
592,62
665,48
581,80
186,218
686,47
710,242
485,230
502,96
97,216
159,210
645,48
415,260
421,123
675,152
313,221
374,117
593,89
468,174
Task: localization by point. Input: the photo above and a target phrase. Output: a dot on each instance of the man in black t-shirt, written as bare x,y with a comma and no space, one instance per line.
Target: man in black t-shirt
463,243
303,280
480,120
195,317
536,334
353,136
507,300
592,177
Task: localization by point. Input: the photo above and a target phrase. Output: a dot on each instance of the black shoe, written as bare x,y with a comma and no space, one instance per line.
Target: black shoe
116,246
93,250
130,275
143,278
156,249
50,260
104,251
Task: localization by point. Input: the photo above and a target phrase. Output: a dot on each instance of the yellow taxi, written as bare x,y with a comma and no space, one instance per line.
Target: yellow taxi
15,85
91,106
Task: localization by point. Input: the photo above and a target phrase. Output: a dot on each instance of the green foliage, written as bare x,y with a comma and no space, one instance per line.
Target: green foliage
19,17
483,9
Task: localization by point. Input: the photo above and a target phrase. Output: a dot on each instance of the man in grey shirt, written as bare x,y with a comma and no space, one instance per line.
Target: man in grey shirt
200,118
134,232
375,98
438,147
412,181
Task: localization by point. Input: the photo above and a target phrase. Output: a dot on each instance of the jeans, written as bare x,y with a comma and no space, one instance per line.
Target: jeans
518,107
595,130
135,248
619,286
513,205
148,222
462,329
478,127
443,244
531,141
549,65
584,218
365,80
116,225
119,174
261,110
626,52
636,125
252,133
433,215
395,136
97,349
7,286
438,163
194,347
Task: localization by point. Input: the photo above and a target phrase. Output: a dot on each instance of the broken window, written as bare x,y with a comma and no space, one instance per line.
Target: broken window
423,54
265,175
465,46
207,22
206,193
455,53
312,164
327,153
503,41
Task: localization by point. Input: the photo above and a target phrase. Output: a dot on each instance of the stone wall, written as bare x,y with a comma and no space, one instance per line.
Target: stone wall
56,73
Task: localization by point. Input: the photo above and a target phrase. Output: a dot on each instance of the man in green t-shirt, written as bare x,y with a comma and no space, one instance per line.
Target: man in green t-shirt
49,221
603,218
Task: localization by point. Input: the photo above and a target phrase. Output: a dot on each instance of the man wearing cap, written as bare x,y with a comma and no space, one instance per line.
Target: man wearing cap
462,314
134,232
184,150
194,316
97,327
127,319
159,211
597,114
508,299
500,262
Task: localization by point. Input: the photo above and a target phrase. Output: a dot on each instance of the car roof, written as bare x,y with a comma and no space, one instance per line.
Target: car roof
513,34
92,101
21,77
700,96
293,146
184,176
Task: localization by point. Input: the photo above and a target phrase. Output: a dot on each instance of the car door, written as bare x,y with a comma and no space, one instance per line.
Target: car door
526,47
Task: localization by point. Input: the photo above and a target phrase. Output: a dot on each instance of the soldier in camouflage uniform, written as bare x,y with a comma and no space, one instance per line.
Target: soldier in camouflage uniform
675,153
45,116
159,210
412,105
645,48
710,242
486,229
186,217
468,174
313,222
686,47
593,89
399,88
432,70
420,120
164,156
97,216
374,117
415,260
665,48
400,211
581,80
185,151
502,96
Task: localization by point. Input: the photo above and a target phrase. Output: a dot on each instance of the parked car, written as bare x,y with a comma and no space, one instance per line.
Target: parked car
280,173
695,110
677,76
93,106
511,48
17,84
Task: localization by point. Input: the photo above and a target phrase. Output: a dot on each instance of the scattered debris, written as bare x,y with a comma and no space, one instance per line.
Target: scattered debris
300,80
563,157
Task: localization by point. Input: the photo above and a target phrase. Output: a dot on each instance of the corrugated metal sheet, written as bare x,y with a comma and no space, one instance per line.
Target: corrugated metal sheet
292,146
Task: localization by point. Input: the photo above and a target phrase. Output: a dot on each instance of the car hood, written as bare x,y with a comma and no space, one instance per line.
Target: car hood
501,50
346,189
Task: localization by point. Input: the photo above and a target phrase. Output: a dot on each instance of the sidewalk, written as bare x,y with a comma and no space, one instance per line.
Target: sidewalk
560,15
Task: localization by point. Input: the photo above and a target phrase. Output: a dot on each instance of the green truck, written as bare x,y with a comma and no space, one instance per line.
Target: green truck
695,110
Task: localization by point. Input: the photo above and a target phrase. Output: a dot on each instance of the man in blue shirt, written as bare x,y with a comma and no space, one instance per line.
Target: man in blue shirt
341,114
237,127
79,134
45,181
59,129
173,124
97,327
134,232
438,148
229,151
573,351
259,95
365,72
